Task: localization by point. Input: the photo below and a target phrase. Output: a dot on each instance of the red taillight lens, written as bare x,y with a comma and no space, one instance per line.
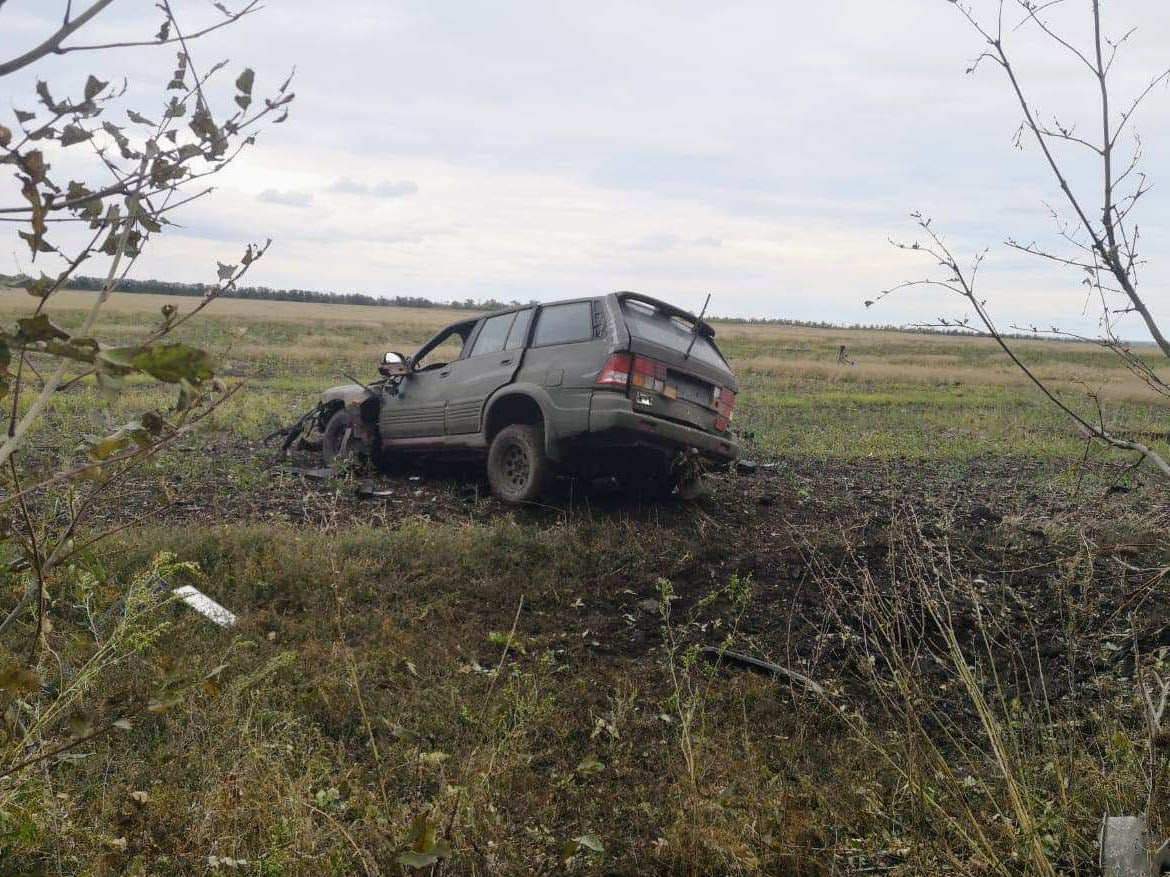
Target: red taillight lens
615,372
646,372
725,405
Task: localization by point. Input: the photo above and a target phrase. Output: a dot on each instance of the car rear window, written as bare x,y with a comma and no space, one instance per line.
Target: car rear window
564,324
650,324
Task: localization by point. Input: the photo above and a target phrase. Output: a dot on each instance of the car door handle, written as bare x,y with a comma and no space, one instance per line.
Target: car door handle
507,360
444,372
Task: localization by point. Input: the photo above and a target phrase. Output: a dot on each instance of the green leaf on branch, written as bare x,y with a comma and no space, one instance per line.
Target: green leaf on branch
244,80
40,288
170,363
22,116
132,433
78,349
39,328
110,385
36,243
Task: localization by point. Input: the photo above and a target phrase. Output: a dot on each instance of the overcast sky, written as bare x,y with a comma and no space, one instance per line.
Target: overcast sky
760,151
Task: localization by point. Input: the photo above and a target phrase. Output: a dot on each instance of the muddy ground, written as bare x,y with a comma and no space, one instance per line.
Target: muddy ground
1069,563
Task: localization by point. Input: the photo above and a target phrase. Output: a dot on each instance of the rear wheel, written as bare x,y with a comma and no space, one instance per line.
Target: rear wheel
518,468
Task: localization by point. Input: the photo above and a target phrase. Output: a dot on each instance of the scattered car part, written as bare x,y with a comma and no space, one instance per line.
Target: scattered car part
320,474
366,490
761,666
294,433
205,606
1127,849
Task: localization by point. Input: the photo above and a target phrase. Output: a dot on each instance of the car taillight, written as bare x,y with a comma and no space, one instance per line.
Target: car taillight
724,400
615,372
648,373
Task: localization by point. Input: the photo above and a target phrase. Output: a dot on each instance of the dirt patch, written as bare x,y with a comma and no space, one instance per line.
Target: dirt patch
1013,527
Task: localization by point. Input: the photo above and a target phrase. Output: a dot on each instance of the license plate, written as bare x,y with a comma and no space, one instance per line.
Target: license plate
689,390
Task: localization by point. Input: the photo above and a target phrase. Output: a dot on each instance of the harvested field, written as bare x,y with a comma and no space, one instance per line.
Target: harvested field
531,686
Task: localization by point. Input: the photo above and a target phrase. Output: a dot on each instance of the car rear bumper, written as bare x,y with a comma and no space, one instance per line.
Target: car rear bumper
613,420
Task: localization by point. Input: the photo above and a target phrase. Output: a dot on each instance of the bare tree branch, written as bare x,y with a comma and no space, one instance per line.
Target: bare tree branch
53,43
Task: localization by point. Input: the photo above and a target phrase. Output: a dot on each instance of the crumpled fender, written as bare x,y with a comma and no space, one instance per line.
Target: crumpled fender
351,398
347,394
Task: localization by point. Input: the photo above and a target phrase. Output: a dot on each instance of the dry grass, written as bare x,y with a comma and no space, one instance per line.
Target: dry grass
17,301
1116,385
376,678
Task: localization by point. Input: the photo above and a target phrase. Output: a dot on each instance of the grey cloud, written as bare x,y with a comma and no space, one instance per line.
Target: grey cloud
286,197
665,242
346,186
399,189
659,242
816,125
383,189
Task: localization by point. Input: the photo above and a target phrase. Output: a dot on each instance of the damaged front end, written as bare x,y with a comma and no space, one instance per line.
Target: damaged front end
343,422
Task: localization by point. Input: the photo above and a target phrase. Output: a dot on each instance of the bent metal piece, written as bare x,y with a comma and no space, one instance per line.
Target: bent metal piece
290,434
1127,851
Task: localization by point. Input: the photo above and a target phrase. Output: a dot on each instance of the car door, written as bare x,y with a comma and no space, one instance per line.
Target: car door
413,412
492,360
416,410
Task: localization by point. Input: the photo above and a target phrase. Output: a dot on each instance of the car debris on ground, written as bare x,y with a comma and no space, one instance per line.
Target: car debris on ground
1127,849
761,666
205,606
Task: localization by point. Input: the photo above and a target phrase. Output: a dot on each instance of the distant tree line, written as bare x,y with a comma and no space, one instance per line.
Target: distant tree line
264,293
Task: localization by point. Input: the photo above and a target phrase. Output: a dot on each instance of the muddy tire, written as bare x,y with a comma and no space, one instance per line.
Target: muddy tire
517,466
338,447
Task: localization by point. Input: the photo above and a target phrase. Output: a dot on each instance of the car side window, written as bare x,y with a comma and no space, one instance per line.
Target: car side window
492,335
564,324
519,333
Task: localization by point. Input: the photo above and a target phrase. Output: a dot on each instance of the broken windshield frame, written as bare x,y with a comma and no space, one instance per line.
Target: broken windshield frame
461,330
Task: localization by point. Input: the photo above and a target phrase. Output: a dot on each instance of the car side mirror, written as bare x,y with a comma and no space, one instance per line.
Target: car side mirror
394,364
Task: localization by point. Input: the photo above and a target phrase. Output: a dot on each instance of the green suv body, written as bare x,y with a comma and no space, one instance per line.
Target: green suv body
620,382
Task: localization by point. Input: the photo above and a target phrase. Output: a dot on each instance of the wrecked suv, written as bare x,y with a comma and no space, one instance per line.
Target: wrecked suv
622,386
